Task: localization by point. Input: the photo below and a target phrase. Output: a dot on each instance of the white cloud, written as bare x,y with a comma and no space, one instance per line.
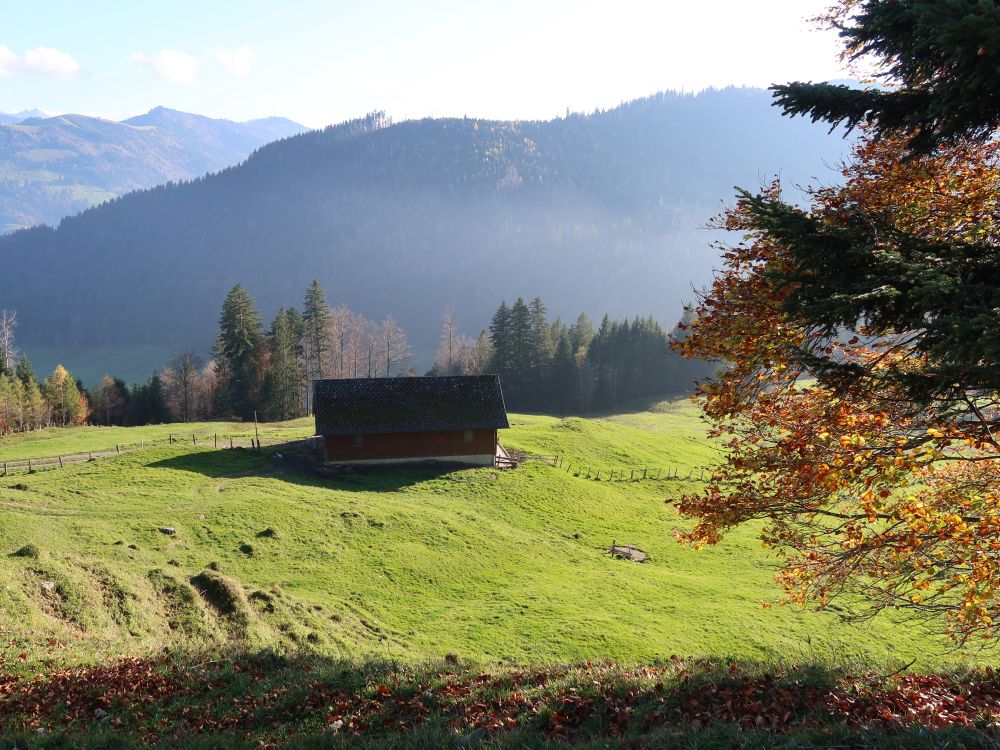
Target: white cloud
170,65
41,61
238,62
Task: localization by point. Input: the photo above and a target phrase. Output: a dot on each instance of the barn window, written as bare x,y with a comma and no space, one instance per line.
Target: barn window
356,441
467,437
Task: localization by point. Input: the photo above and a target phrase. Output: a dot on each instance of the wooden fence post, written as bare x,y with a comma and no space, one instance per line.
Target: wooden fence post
216,440
29,465
118,448
631,475
60,462
230,442
643,473
5,468
170,436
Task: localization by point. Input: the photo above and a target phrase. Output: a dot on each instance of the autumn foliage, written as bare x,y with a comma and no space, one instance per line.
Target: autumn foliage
858,401
267,701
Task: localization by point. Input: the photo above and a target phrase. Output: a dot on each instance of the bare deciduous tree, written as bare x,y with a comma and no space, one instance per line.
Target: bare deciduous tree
184,383
8,352
395,347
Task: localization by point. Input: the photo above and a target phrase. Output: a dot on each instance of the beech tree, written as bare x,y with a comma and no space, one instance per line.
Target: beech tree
860,403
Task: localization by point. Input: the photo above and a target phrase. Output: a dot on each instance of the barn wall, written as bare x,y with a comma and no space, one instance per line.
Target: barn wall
411,446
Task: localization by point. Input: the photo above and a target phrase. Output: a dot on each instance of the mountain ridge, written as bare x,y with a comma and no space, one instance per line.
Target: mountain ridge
55,166
598,213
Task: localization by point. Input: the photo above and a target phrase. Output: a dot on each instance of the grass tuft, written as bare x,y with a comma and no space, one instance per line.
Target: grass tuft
29,550
225,596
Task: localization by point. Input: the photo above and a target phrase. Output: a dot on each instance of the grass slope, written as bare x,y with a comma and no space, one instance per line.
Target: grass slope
58,441
495,566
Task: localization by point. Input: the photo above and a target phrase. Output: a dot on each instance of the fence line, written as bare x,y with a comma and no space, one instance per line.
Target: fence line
32,464
627,474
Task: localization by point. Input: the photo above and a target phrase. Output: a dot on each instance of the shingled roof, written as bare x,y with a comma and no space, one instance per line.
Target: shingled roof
361,406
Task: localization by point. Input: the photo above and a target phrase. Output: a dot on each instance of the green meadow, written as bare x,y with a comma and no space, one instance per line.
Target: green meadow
501,567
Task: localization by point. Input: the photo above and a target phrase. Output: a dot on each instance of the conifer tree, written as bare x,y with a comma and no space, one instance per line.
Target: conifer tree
284,375
540,352
581,333
565,390
316,337
500,338
239,347
938,59
24,371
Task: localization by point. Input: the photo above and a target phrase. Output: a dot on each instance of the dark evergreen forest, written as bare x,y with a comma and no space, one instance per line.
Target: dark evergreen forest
599,212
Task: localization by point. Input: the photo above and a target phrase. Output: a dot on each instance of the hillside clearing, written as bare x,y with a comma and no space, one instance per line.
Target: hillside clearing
495,566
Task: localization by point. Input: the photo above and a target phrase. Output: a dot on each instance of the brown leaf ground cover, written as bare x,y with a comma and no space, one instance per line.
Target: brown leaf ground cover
268,700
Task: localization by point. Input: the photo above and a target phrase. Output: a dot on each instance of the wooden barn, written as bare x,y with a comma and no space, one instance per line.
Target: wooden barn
401,420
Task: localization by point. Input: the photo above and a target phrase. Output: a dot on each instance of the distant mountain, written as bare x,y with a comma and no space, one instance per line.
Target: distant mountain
51,167
598,213
16,117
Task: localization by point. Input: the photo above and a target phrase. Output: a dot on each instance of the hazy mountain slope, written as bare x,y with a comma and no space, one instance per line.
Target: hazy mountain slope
604,212
55,166
12,118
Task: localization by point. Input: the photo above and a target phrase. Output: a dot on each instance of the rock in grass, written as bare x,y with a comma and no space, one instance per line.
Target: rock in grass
28,550
168,530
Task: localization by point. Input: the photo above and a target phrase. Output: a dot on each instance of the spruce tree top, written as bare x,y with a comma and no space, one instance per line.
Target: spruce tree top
941,59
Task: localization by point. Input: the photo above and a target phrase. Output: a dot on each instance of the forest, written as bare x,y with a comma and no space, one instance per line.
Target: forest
544,365
602,211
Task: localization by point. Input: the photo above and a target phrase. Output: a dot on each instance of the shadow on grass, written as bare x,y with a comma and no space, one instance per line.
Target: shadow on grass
266,699
293,463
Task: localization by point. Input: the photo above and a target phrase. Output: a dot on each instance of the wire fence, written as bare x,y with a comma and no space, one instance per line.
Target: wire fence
628,473
217,440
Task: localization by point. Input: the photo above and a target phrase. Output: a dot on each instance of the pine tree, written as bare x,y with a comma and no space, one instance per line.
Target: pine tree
24,371
940,59
240,348
581,333
541,353
564,393
284,375
316,338
500,337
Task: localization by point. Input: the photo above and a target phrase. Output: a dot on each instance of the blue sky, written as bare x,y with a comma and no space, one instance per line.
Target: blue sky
321,62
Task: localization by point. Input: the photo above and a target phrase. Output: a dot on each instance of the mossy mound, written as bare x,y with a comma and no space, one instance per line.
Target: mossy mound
224,595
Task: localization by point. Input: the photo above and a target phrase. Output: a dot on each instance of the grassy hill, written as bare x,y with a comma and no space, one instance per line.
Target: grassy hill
494,566
410,608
